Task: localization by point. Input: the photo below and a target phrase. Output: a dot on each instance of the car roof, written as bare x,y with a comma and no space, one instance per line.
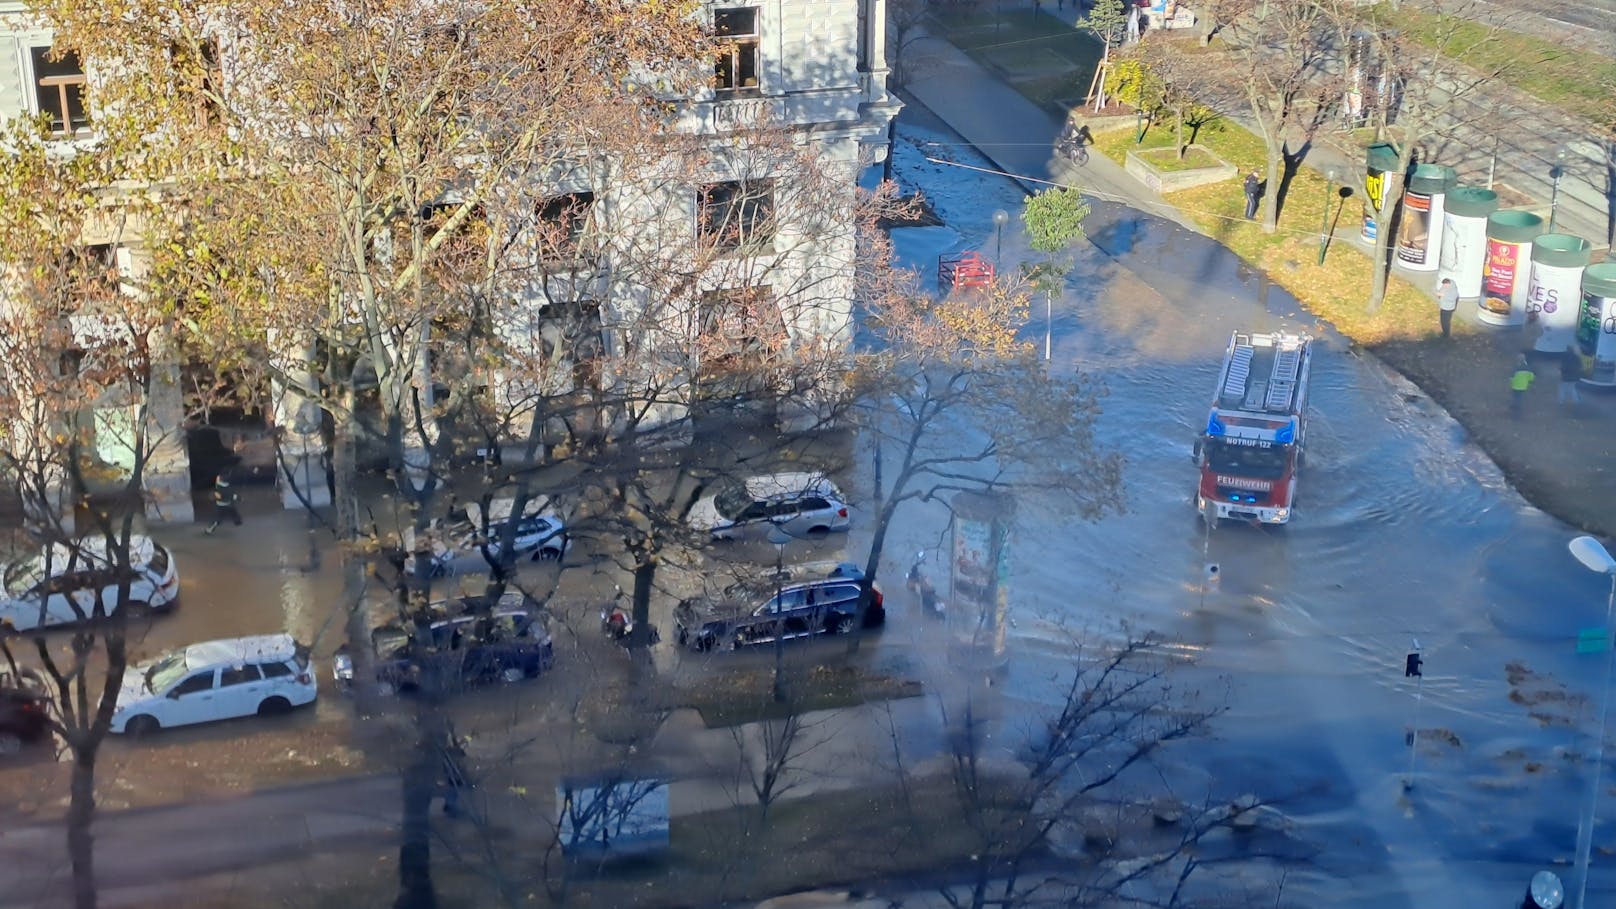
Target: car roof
776,484
500,508
95,549
235,651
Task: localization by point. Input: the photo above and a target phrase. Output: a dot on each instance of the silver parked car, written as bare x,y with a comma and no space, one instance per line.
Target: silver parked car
801,504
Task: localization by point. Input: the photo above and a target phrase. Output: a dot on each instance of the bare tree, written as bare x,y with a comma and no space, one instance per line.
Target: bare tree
1280,55
1425,95
956,401
1119,711
87,401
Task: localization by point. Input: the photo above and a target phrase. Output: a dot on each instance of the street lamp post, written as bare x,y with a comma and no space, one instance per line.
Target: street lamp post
1324,219
1555,173
1593,557
1000,219
779,538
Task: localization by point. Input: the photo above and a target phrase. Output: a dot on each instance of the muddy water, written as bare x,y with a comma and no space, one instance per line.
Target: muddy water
1403,533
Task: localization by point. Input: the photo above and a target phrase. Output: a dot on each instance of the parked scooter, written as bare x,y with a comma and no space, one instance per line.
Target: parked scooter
921,586
617,621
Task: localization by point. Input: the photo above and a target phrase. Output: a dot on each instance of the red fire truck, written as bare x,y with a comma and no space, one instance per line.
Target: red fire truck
1252,446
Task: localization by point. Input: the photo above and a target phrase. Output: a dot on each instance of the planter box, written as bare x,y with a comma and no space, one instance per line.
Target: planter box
1103,123
1167,181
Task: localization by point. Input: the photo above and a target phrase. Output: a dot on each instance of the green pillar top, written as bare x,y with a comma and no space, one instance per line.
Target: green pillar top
1431,179
1600,279
1562,250
1382,156
1471,202
1513,226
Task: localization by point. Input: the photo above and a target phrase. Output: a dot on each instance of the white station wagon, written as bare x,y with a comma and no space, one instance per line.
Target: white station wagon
215,680
60,585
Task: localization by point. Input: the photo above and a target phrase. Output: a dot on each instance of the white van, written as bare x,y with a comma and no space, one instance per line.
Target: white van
60,585
215,680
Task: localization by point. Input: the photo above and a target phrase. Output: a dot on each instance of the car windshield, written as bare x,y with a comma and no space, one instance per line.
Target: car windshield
1247,460
165,672
22,576
732,500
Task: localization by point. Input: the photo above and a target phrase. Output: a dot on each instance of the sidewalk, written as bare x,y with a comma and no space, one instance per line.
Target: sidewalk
145,856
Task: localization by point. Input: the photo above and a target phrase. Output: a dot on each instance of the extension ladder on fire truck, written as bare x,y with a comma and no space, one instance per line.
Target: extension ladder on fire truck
1282,381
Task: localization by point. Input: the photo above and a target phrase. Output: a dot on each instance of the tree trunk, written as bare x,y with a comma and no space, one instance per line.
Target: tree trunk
639,641
1178,132
420,783
345,503
80,839
1270,200
1383,238
871,564
892,142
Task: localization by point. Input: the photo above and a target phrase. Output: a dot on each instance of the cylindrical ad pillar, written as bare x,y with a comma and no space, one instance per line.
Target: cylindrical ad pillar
1504,274
1596,330
1380,160
1554,293
1419,232
1464,237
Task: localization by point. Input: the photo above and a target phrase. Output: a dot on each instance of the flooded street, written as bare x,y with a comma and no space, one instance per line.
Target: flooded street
1403,533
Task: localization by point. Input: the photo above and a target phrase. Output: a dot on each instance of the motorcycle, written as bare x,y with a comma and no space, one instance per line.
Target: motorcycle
1072,144
921,586
617,622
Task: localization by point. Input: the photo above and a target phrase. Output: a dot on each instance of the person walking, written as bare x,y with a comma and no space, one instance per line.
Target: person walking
1519,381
225,502
1447,300
1253,193
1570,375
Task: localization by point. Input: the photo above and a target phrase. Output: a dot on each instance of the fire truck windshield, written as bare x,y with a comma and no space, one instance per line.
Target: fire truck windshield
1247,460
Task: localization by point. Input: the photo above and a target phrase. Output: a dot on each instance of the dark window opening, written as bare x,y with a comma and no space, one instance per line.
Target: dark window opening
562,226
59,89
741,332
736,215
200,76
736,69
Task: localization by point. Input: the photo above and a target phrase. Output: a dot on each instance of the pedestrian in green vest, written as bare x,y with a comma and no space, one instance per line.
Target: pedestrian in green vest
1519,382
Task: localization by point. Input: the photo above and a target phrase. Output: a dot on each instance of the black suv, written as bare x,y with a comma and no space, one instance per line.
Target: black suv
753,613
476,641
24,711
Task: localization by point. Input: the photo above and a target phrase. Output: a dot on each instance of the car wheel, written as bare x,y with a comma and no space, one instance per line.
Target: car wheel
273,706
139,609
10,742
705,643
141,726
818,530
543,554
837,623
512,674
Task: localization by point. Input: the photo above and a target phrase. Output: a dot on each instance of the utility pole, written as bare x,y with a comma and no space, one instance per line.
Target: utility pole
1413,664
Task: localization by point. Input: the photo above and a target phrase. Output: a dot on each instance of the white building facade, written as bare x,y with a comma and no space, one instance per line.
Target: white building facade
811,70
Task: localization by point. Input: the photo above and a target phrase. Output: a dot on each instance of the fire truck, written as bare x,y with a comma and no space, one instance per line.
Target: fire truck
1252,447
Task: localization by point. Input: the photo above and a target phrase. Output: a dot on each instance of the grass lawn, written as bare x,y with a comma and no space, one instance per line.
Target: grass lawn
747,695
1165,161
1336,291
1565,77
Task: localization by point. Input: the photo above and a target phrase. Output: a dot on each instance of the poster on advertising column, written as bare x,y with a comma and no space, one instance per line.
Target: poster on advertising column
979,570
1555,289
1464,237
1596,330
1504,273
1380,159
1419,233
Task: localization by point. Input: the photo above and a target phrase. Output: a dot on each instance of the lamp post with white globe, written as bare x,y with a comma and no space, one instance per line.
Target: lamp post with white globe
1593,556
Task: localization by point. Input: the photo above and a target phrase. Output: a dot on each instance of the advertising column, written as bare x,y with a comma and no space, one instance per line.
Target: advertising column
1554,294
1596,330
1419,233
979,594
1504,273
1464,237
1381,159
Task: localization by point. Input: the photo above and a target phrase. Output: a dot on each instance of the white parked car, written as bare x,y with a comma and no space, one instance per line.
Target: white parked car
457,548
60,585
215,680
799,503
